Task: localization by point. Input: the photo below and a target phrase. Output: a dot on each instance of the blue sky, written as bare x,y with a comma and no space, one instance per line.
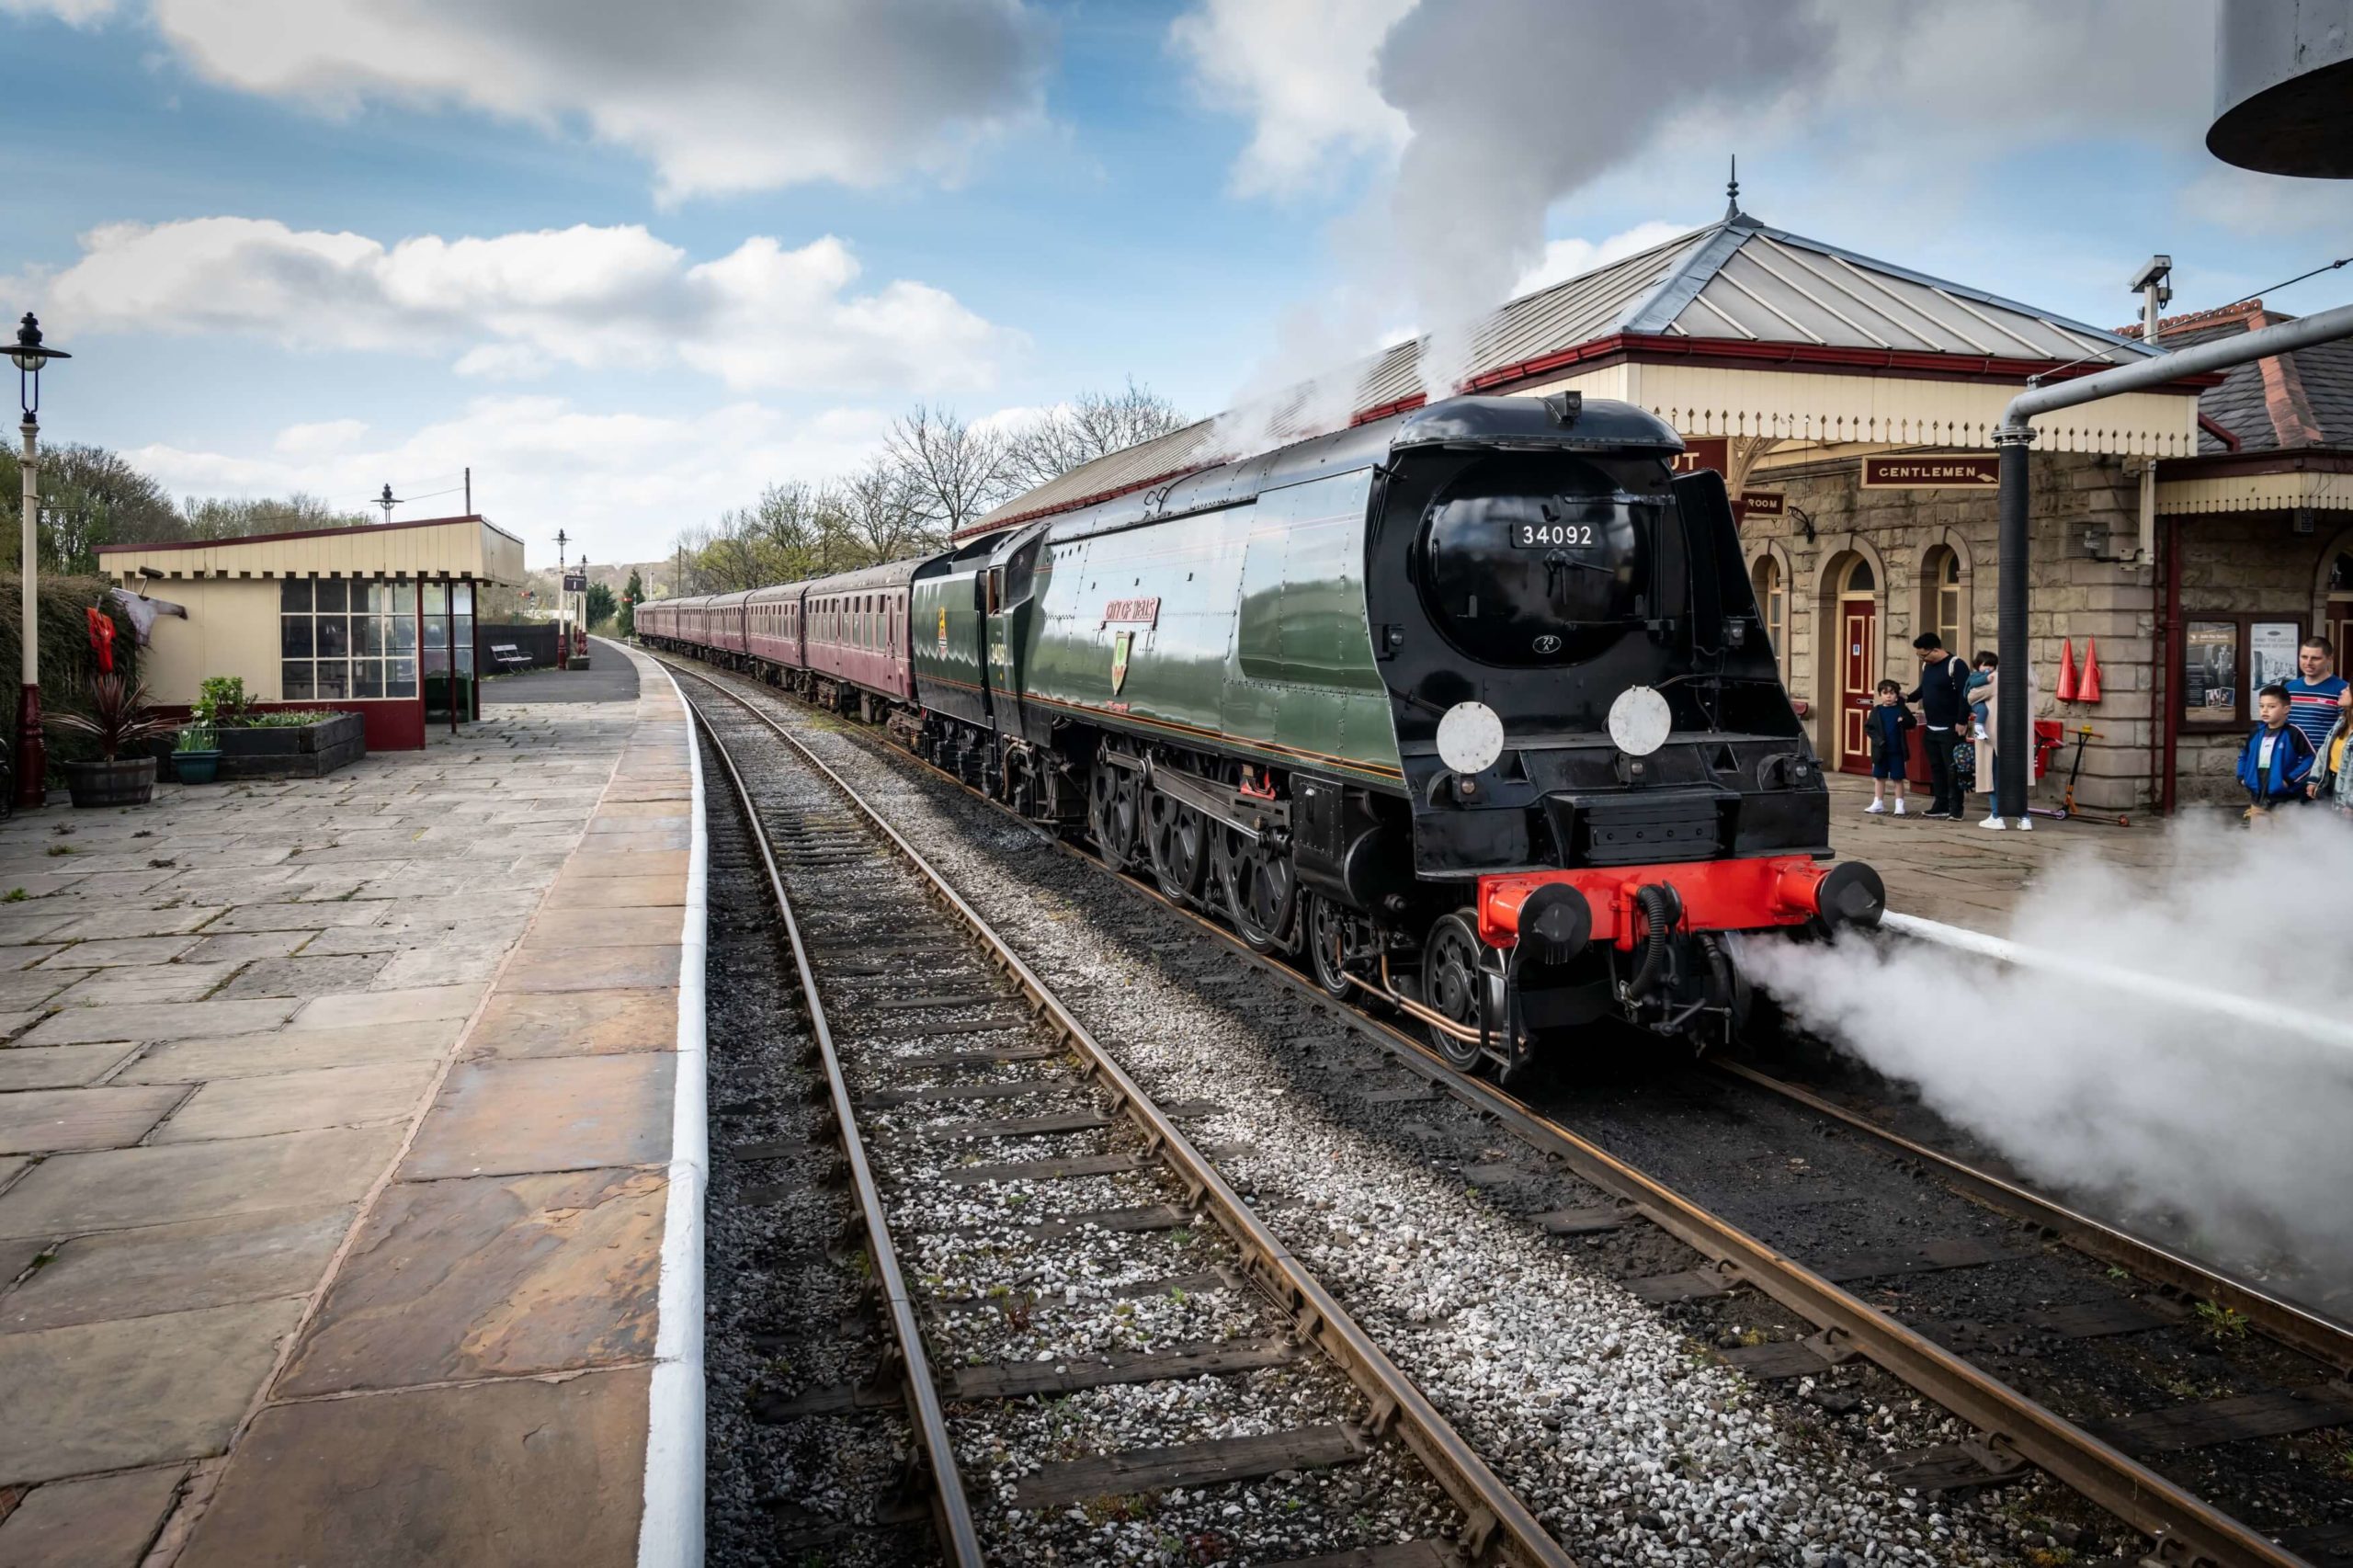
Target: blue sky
633,262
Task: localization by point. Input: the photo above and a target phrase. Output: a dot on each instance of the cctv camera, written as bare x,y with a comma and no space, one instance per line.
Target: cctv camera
2152,272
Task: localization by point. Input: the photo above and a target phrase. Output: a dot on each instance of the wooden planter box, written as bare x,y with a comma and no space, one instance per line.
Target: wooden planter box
309,751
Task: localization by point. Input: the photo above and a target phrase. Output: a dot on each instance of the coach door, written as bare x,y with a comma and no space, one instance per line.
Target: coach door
1858,664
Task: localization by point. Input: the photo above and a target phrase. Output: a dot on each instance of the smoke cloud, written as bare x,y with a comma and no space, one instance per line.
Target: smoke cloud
2154,1112
1513,105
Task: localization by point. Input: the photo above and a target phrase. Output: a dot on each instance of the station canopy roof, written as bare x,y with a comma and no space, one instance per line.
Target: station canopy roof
2276,434
1736,329
467,549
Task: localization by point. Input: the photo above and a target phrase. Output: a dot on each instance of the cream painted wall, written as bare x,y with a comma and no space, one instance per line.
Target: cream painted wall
231,630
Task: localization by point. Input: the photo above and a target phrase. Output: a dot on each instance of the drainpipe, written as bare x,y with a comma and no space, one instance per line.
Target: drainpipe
2014,722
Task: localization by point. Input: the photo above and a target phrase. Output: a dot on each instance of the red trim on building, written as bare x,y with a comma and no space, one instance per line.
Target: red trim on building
2220,431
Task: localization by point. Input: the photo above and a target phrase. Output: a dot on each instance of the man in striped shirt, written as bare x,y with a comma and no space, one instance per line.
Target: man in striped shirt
2313,695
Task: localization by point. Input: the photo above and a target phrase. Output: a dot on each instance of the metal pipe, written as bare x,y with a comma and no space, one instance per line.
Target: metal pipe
2012,757
2148,987
2013,721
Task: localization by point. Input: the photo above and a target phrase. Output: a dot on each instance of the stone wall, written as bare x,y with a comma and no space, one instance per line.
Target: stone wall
2074,596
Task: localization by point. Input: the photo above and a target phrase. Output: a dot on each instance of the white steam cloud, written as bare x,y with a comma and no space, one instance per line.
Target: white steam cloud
1513,105
2158,1112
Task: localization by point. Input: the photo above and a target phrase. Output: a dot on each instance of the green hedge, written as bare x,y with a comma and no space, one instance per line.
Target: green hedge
66,662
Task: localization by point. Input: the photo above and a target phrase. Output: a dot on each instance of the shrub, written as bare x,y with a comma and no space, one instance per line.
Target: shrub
197,737
119,716
220,699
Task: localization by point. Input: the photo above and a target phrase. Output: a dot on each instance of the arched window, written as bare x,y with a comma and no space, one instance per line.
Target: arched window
1861,578
1940,611
1773,603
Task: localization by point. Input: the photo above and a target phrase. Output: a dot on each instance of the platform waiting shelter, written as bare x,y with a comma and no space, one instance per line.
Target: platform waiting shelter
376,620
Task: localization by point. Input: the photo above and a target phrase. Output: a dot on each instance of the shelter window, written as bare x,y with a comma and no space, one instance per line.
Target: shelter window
339,640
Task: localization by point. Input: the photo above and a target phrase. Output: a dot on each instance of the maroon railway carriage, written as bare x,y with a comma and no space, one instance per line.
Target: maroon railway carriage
855,645
772,628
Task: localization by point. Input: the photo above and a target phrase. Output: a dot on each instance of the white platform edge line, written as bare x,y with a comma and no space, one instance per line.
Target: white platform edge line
670,1532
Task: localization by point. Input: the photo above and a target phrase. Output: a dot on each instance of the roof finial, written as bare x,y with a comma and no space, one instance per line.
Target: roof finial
1731,191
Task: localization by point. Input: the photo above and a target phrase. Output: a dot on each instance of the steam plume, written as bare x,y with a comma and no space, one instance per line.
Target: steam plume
1514,105
2094,1090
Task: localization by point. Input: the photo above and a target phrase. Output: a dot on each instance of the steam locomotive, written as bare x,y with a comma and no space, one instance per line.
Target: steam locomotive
1470,708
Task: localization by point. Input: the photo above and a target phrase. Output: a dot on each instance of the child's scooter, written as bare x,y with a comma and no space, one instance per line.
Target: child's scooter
2066,807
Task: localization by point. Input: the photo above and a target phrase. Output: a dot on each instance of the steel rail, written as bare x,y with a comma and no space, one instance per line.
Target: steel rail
959,1539
2325,1341
1497,1525
2188,1532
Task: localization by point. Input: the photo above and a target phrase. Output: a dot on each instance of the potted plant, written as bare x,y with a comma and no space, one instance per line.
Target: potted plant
119,718
196,757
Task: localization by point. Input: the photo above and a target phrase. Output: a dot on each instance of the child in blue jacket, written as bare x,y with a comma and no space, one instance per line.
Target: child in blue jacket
1886,724
2277,757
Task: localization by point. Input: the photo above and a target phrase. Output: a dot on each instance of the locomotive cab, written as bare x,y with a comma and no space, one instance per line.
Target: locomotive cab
1604,776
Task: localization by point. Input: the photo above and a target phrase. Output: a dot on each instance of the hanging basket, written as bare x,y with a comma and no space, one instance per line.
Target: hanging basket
126,781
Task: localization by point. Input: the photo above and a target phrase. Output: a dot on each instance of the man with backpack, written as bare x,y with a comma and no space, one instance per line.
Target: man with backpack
1943,700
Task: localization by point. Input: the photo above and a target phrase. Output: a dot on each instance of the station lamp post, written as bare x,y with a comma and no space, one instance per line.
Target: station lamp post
32,752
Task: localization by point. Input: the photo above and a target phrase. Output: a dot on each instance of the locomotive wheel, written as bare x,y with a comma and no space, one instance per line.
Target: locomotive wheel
1260,891
1327,931
1179,837
1112,814
1450,985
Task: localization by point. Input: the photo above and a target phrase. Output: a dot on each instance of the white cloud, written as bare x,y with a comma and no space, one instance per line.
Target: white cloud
722,96
622,483
73,13
319,439
1563,259
516,305
1302,74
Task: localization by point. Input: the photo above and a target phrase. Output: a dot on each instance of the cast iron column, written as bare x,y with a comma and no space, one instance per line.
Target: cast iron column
2013,723
33,751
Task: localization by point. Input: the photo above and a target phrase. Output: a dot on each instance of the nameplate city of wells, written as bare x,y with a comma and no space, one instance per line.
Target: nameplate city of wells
1941,471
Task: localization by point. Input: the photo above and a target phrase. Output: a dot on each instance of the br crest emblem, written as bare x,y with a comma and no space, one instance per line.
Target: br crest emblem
1120,646
943,631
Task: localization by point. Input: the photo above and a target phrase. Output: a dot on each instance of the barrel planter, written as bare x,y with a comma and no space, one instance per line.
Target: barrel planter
303,751
125,781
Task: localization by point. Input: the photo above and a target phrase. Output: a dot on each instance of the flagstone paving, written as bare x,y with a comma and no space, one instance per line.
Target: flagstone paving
318,1098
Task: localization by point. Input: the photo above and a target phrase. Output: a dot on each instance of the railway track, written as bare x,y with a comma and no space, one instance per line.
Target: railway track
2121,1462
1095,1341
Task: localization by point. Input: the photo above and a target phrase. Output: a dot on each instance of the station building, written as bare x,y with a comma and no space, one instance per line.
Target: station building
1850,404
376,620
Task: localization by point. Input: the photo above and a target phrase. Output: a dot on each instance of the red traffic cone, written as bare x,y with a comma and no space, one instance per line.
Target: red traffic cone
2067,670
2088,689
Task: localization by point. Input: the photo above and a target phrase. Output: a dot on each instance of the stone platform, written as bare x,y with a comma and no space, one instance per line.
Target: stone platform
335,1153
1967,875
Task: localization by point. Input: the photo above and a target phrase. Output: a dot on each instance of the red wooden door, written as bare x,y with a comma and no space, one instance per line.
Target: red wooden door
1858,673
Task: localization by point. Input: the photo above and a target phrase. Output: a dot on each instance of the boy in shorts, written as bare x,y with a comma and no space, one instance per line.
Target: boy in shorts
1888,721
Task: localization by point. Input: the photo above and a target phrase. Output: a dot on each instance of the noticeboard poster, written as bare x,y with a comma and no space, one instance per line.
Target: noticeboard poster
2209,671
2271,652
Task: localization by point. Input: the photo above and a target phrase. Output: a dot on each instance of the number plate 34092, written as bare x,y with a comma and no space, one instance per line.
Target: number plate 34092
1554,536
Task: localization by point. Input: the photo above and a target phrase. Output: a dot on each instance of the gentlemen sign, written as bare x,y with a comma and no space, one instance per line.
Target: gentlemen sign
1937,470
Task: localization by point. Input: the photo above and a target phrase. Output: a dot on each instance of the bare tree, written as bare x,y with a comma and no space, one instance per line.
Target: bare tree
1093,425
951,471
879,519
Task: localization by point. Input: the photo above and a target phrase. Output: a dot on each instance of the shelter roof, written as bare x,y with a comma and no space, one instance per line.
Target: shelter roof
1738,294
468,546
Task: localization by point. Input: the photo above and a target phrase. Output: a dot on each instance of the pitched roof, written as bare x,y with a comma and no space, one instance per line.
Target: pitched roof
2301,399
1737,284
